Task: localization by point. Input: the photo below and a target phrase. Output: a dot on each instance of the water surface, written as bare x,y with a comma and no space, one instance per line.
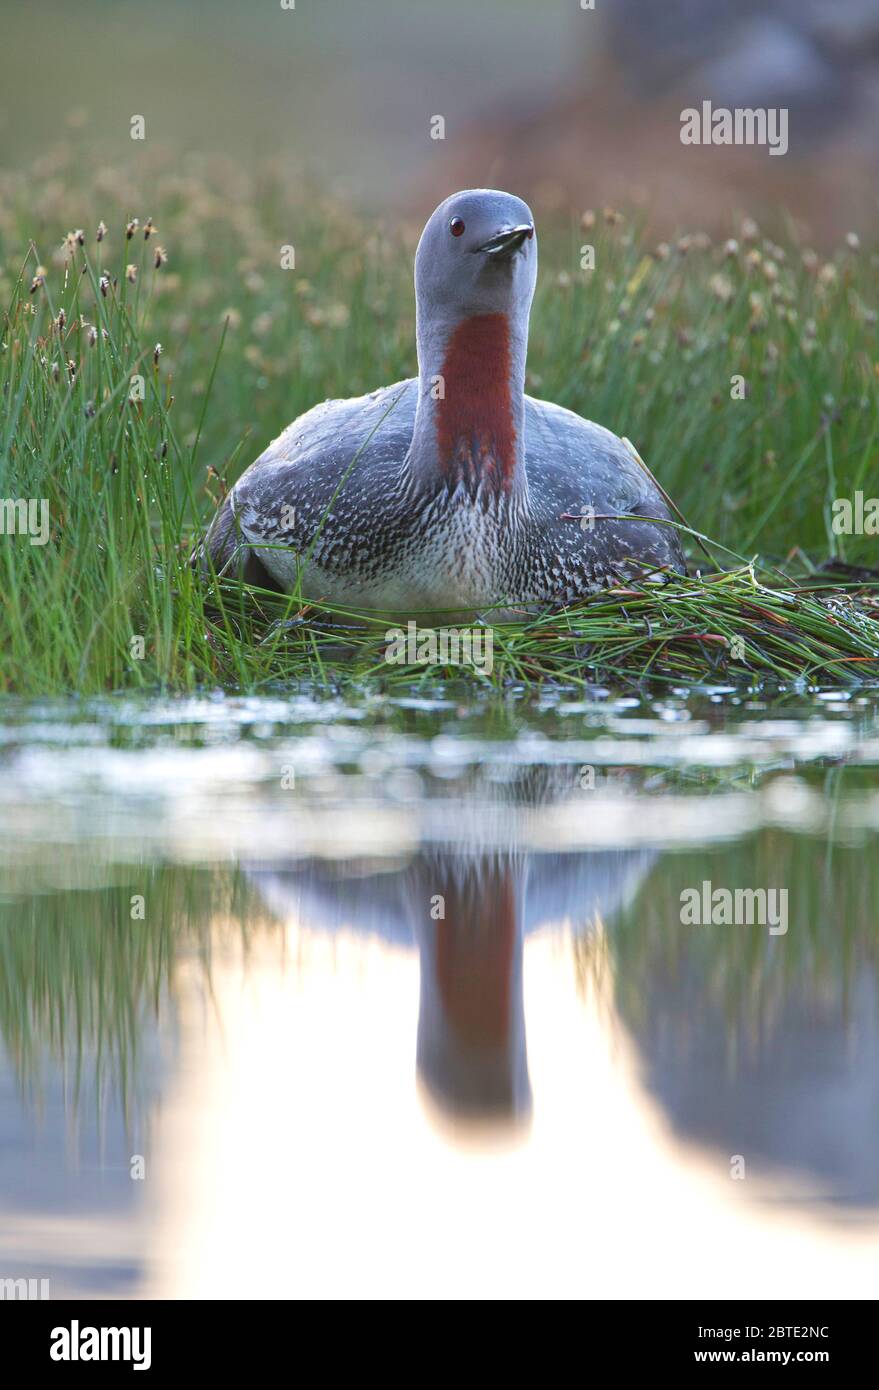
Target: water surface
393,996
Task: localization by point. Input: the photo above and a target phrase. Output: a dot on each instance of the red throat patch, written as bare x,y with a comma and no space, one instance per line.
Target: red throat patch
475,947
474,418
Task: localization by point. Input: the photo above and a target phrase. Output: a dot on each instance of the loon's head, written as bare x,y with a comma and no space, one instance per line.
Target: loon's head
477,255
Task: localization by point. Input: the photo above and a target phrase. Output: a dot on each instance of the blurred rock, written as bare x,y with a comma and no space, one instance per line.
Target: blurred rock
816,58
613,135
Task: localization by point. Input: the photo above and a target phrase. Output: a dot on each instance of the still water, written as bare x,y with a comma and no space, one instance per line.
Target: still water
399,997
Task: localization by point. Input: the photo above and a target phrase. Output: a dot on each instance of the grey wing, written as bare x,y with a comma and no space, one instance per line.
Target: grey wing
329,896
579,886
285,494
591,468
570,888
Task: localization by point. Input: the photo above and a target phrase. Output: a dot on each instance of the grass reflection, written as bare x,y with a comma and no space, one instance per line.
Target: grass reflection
80,978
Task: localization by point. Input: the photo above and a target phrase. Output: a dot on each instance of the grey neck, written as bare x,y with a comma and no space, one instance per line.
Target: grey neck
470,415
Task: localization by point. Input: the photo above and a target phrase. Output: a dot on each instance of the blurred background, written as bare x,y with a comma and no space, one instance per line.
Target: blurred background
569,107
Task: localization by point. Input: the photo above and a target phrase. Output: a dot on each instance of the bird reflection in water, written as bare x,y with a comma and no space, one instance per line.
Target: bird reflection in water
468,914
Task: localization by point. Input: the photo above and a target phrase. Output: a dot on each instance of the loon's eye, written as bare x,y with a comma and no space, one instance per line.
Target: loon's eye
456,226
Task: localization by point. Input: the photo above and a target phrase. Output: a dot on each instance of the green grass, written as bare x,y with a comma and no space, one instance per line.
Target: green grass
647,344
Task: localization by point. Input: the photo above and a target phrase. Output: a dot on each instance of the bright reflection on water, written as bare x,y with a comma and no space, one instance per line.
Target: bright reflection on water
394,997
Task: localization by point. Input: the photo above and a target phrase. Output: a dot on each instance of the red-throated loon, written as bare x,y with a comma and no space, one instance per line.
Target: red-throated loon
452,492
